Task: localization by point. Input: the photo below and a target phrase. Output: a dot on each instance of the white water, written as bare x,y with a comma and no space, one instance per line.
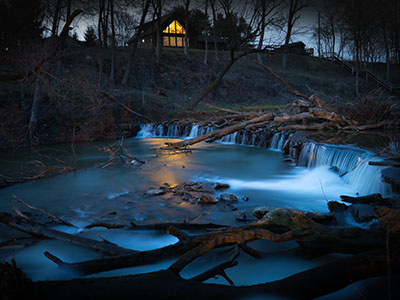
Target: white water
350,163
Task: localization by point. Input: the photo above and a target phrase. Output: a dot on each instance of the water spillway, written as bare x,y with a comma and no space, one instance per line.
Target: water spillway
350,163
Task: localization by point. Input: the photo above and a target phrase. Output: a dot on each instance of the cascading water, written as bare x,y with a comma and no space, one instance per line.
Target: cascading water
350,163
146,131
278,141
194,131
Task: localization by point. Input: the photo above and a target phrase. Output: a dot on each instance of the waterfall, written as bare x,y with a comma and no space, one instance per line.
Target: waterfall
277,141
350,163
194,132
229,139
146,131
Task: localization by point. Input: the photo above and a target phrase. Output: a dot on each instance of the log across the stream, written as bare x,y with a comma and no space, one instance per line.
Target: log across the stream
370,250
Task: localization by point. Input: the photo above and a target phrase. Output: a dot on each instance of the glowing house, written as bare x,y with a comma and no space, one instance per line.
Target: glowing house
173,34
172,30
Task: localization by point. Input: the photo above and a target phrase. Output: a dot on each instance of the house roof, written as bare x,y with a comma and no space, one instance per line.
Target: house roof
148,27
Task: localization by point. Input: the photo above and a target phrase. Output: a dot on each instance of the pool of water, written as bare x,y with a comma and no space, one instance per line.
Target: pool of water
116,194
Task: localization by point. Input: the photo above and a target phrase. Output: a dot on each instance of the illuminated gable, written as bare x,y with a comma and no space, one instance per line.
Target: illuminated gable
175,28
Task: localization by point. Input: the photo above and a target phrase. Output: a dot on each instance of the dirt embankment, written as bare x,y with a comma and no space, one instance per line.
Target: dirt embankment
71,105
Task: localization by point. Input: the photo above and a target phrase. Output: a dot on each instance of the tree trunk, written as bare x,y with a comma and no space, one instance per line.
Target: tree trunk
261,40
217,134
33,140
206,34
112,71
135,42
212,3
186,51
319,34
100,53
56,17
159,33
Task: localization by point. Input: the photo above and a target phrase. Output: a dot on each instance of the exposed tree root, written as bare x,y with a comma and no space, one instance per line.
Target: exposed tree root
311,236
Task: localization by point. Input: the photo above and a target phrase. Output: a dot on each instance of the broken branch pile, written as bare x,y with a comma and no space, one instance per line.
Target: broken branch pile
367,246
307,113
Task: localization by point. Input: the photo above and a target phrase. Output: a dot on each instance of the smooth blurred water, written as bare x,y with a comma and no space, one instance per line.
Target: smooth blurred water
116,195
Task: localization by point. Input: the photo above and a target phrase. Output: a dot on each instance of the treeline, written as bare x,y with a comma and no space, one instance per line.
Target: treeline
34,35
368,30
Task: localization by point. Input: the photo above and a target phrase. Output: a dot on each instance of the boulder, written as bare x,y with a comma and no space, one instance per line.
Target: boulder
335,206
221,186
208,199
289,218
260,211
228,198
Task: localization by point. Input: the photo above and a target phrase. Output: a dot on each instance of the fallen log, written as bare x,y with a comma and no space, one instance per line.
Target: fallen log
217,134
385,163
309,284
368,199
50,215
36,229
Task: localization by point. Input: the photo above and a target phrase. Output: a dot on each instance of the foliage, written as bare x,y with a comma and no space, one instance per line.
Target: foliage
20,20
90,36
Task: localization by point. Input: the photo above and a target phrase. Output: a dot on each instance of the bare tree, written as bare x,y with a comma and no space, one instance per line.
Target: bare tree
158,4
267,8
206,33
187,12
135,42
214,15
124,27
113,44
239,41
291,18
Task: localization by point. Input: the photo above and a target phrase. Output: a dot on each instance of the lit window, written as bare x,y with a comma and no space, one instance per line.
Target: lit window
175,27
166,41
173,41
179,42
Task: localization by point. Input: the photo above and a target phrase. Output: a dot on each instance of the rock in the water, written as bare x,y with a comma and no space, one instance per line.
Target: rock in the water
260,211
208,199
285,217
245,198
337,206
221,186
228,197
363,212
154,192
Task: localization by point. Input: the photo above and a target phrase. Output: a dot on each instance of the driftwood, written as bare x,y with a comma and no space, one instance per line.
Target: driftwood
217,134
59,220
309,284
385,163
312,237
372,198
36,229
116,151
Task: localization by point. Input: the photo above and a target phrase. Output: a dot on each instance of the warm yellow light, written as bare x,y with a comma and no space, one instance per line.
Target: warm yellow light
175,27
